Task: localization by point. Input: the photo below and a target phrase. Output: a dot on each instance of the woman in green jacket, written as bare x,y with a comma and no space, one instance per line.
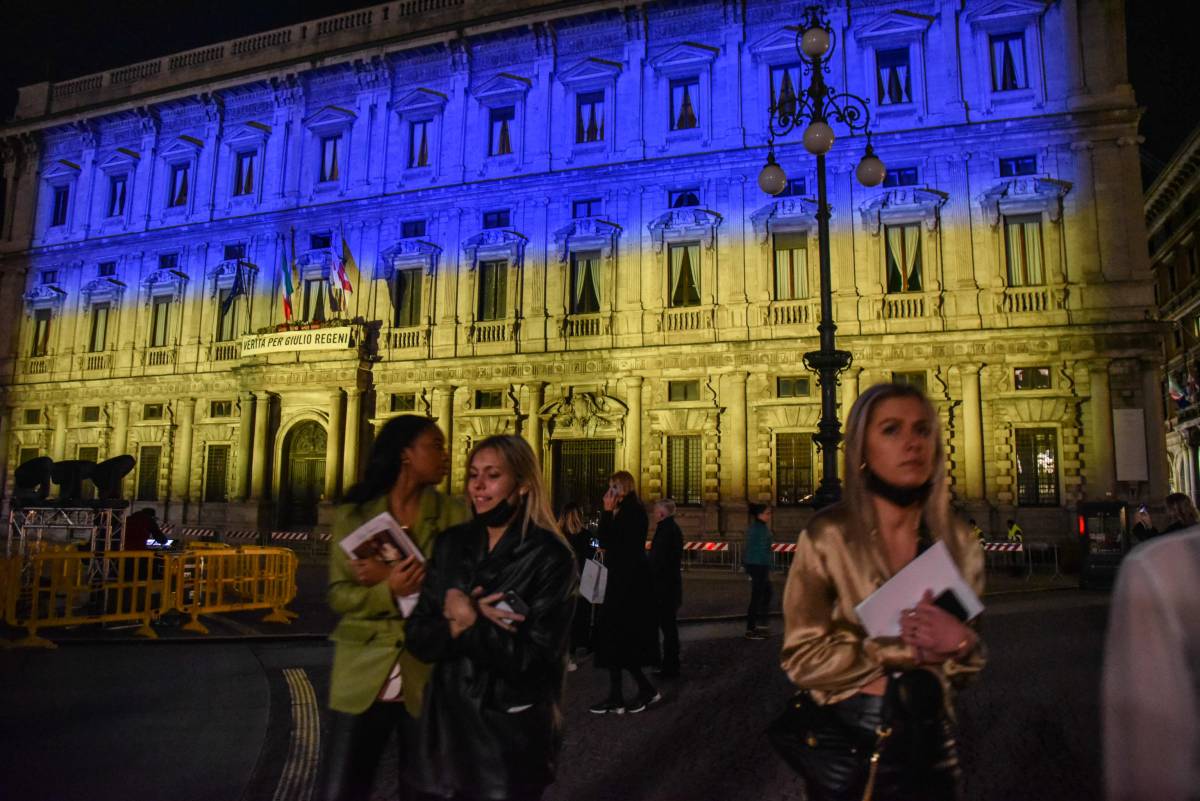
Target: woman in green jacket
376,684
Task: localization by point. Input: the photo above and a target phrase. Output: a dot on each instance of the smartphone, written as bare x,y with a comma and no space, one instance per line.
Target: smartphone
514,603
1143,509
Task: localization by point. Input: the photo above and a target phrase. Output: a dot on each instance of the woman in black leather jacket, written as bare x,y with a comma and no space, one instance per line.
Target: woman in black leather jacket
495,618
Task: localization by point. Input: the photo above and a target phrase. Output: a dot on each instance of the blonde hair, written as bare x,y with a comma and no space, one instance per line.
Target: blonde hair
856,498
624,480
570,521
1181,508
518,456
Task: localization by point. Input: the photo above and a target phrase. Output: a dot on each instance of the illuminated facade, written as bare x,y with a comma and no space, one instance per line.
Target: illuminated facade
1173,222
559,233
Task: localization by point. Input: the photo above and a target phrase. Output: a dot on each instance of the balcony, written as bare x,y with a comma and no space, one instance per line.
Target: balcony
693,318
158,357
91,362
491,331
584,325
904,306
37,365
791,312
225,351
407,338
1031,299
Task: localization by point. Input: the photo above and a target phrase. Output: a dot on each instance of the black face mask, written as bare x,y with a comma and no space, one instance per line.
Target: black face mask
500,514
903,497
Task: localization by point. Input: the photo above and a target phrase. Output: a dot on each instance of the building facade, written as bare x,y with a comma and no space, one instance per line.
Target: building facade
550,225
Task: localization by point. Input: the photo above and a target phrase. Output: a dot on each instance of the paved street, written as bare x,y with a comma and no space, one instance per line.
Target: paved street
237,720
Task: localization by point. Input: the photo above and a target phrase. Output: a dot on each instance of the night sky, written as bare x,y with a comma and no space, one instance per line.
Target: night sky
56,40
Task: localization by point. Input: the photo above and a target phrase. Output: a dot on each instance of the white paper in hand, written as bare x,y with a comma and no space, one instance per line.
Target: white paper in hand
934,571
381,537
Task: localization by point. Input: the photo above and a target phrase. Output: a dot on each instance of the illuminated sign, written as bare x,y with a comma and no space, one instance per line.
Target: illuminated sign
318,339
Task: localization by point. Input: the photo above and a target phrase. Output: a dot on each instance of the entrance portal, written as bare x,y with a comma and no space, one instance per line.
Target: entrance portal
581,471
304,474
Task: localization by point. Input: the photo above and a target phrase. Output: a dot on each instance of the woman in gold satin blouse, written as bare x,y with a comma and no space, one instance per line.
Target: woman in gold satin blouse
896,503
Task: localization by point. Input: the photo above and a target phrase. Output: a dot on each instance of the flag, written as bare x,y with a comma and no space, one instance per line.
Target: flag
238,288
289,287
348,272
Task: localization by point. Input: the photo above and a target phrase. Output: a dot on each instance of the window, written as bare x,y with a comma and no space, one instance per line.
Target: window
793,468
1031,378
147,472
98,332
26,454
685,275
116,195
315,290
489,399
220,408
216,473
89,414
1018,165
418,143
1037,467
33,417
107,269
226,316
795,187
152,411
179,185
679,391
500,130
791,266
1023,250
589,117
684,463
234,251
62,199
684,198
49,277
330,168
160,321
169,261
684,92
412,228
1008,62
904,258
586,208
585,282
784,83
501,218
243,173
404,402
41,333
406,299
893,78
900,176
493,287
792,386
320,241
914,379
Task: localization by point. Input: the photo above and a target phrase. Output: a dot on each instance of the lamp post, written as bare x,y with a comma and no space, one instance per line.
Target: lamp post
816,106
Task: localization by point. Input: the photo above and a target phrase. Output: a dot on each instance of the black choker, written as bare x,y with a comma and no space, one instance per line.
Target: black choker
903,497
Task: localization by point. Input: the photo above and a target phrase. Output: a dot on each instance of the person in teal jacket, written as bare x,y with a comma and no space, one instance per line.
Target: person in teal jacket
757,560
376,685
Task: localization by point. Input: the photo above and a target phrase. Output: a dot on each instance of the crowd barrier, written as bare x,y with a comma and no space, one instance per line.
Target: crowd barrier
315,543
70,587
710,553
1021,556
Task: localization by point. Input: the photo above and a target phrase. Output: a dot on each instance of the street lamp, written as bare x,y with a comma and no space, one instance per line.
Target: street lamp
817,106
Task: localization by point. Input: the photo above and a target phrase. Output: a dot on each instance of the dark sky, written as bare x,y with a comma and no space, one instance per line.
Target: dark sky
57,39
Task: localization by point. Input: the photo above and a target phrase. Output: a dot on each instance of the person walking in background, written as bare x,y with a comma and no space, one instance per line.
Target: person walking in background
570,523
376,685
666,562
626,636
976,530
1015,532
1181,514
757,560
494,618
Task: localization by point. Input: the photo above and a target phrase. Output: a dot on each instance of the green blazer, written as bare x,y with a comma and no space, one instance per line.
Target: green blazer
370,636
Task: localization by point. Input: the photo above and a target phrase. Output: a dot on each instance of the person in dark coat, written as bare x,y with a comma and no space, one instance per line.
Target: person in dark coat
626,637
494,618
666,560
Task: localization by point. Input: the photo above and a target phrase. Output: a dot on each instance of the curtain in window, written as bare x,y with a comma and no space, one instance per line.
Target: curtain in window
179,192
893,78
904,258
408,298
41,334
329,158
1024,246
791,266
418,154
685,280
784,81
589,117
160,321
501,136
683,112
99,328
314,300
246,180
493,279
585,283
1008,62
116,197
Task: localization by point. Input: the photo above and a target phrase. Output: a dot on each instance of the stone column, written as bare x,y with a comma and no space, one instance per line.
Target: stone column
262,416
633,430
58,446
353,434
181,461
241,474
736,434
118,442
1101,473
333,445
443,410
535,393
849,381
972,430
1156,435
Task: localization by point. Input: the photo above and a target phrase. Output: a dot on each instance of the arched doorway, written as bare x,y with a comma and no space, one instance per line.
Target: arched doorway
303,473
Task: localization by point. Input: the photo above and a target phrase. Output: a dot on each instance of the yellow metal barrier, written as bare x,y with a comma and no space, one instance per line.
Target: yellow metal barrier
205,581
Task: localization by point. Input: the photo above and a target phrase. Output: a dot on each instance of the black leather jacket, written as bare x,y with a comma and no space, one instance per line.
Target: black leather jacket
491,723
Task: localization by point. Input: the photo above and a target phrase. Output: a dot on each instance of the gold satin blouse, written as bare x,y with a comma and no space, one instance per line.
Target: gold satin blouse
825,648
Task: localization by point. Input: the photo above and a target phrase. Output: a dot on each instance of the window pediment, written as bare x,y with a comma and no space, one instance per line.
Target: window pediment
101,289
685,58
495,244
315,262
45,296
904,204
778,47
184,148
1029,194
1007,15
61,172
586,233
689,223
790,213
590,73
407,254
161,282
894,26
503,89
119,161
224,273
330,119
584,414
247,135
420,102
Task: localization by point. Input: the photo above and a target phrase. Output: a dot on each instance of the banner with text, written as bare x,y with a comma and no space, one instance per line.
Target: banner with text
317,339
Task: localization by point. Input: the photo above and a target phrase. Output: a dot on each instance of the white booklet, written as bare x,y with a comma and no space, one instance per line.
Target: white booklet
935,571
383,538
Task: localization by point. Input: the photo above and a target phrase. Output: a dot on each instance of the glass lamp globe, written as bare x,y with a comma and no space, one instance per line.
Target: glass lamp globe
772,179
815,42
871,170
818,138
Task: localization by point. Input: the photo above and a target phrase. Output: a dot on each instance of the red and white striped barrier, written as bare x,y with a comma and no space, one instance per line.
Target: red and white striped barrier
706,546
1003,547
783,547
